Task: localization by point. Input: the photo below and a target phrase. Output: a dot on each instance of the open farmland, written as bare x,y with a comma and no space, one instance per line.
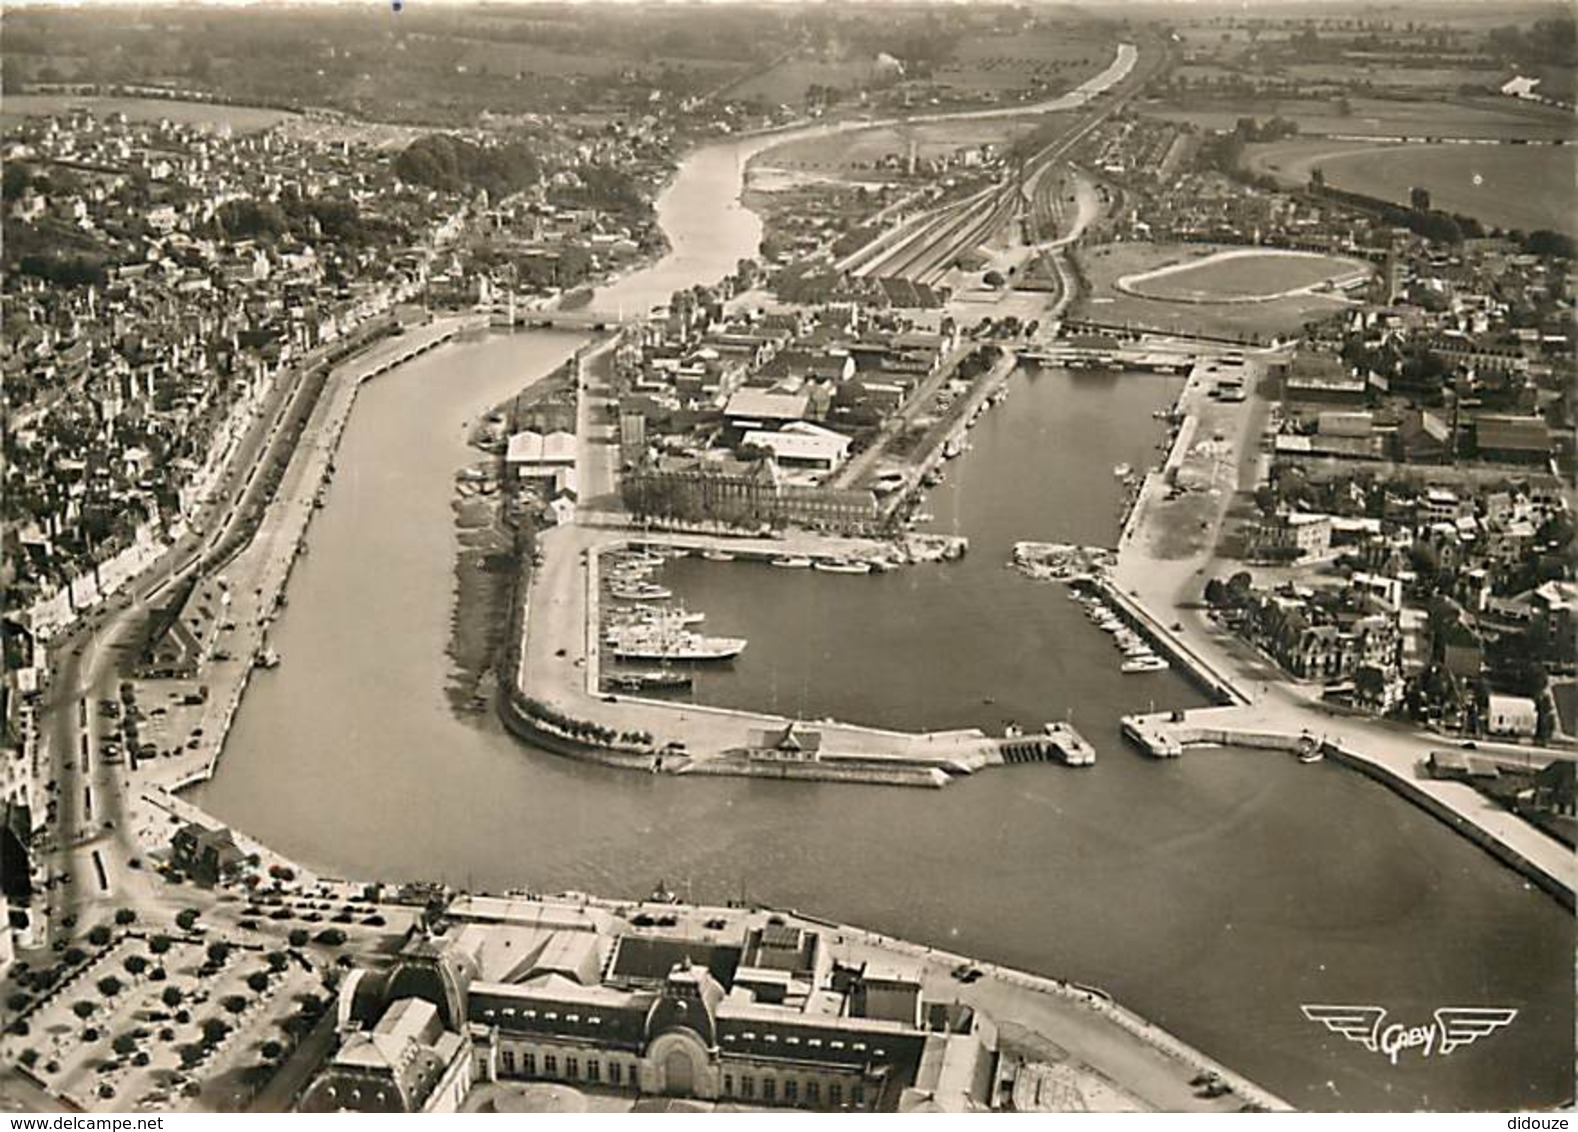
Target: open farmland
240,119
1039,61
1241,275
1104,301
1382,118
787,82
1508,186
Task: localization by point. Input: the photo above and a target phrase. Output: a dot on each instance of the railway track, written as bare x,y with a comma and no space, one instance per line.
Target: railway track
927,252
934,241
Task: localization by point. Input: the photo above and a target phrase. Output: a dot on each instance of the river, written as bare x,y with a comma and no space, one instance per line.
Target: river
1214,894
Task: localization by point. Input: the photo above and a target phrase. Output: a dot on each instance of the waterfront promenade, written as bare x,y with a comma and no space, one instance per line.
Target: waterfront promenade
1165,556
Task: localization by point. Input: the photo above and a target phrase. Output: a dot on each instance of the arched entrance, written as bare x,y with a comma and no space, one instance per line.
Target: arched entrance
677,1064
679,1075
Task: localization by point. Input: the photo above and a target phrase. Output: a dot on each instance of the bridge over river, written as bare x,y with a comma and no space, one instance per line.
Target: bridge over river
583,318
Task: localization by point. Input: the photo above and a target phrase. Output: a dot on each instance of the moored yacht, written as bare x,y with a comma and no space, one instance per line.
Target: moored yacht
841,566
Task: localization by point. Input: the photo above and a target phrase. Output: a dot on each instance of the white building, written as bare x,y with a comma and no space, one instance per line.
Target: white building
533,454
803,446
1514,716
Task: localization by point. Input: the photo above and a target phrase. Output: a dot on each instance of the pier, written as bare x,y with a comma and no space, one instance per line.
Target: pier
1057,742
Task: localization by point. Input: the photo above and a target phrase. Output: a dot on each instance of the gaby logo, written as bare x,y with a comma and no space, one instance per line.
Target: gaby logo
1454,1026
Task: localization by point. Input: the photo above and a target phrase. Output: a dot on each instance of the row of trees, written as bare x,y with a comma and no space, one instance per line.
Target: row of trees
582,729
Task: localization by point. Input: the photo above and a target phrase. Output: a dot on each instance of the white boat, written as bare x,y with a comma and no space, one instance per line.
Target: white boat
663,645
640,591
1315,756
647,615
792,562
717,556
641,558
1144,664
268,658
841,566
1122,471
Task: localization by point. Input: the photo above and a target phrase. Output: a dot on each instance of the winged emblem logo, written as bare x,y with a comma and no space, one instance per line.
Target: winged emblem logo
1451,1028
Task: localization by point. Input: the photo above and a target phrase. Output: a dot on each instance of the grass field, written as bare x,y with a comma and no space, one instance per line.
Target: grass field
788,82
241,119
1371,117
1235,276
1508,186
1104,302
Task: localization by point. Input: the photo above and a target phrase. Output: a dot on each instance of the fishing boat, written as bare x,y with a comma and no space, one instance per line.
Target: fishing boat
792,562
841,566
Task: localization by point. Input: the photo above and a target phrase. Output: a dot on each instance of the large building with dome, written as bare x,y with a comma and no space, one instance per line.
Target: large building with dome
734,1006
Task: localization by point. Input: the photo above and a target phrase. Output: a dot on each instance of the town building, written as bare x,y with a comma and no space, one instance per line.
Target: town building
1293,536
531,455
749,1007
206,855
1513,717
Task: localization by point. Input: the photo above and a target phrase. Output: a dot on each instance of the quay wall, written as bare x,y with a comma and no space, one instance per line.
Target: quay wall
1197,735
1219,687
337,403
842,770
924,463
1506,854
